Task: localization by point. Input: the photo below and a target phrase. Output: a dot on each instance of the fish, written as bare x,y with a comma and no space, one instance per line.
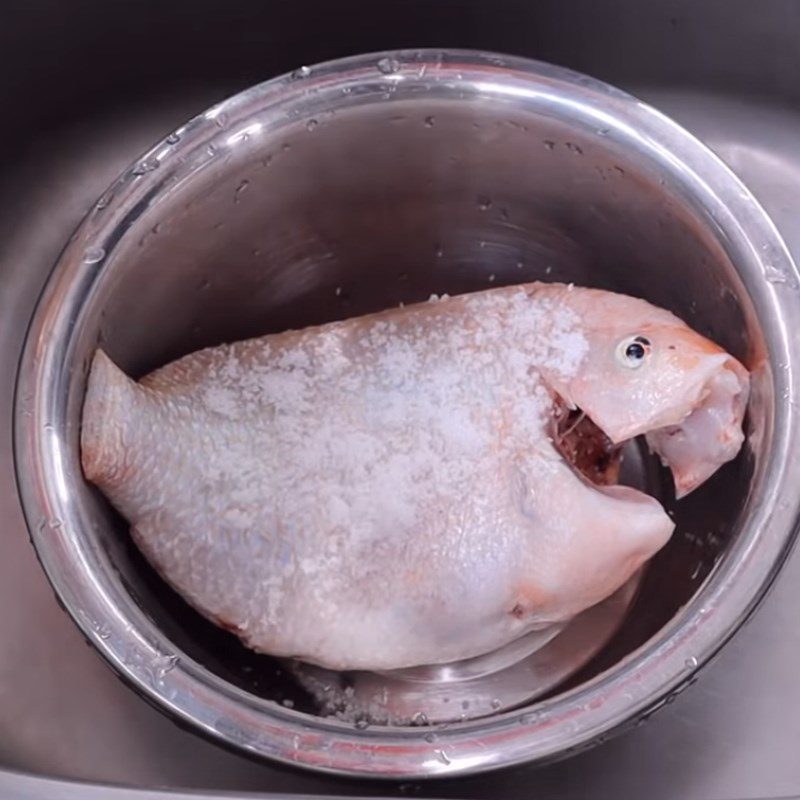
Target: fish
404,488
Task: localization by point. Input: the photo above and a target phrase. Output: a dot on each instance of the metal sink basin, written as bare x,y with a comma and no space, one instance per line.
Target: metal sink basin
87,86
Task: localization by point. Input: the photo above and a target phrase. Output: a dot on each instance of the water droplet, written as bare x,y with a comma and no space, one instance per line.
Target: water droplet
482,244
549,144
484,203
55,524
443,757
266,161
492,278
173,138
148,165
211,150
690,663
529,718
286,146
496,704
520,265
619,171
574,148
430,121
287,703
101,629
165,665
311,125
361,724
94,255
101,203
420,718
338,291
388,66
346,90
776,275
603,131
221,120
301,72
240,189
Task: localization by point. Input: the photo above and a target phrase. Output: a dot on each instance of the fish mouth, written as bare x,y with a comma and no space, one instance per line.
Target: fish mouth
597,460
584,445
705,436
709,435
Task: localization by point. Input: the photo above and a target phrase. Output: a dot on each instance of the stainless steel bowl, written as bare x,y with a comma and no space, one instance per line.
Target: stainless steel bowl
349,187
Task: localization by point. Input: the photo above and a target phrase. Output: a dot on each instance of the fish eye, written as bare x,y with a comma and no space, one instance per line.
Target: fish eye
632,351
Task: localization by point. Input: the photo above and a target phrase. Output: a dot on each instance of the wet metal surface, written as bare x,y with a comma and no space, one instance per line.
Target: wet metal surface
62,712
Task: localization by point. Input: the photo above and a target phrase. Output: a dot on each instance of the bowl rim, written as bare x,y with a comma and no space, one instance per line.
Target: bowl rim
641,682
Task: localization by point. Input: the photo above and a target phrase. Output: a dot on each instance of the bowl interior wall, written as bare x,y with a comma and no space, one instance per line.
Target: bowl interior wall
319,218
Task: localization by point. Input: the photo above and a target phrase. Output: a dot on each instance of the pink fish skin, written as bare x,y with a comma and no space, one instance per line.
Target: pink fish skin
384,492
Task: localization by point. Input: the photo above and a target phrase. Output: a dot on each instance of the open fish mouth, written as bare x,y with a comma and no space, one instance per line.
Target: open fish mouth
584,446
708,435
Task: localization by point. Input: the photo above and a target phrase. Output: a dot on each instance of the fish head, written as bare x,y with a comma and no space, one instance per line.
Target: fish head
643,371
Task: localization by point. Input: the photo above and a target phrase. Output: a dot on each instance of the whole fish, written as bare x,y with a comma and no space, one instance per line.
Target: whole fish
395,489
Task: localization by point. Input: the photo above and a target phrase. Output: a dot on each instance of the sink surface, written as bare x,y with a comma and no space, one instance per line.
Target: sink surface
88,86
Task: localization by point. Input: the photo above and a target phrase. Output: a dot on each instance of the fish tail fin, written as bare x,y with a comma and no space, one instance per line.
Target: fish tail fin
111,397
